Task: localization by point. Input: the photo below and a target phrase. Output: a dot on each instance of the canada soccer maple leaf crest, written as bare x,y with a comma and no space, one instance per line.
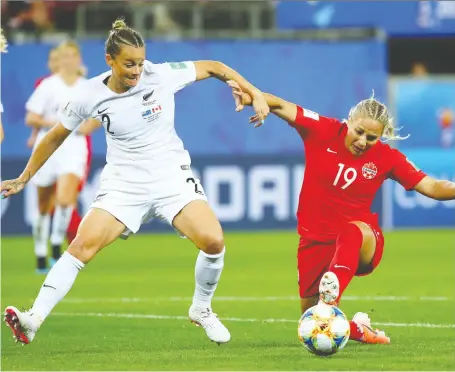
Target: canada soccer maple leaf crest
369,170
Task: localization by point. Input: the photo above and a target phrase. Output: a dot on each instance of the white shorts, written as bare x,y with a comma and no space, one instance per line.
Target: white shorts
134,197
69,158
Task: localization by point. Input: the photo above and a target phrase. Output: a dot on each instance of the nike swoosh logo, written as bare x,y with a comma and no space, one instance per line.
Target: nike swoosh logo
99,196
208,283
341,266
48,286
147,96
101,111
330,150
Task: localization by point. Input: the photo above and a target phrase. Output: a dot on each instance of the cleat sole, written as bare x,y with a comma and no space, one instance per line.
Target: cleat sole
12,322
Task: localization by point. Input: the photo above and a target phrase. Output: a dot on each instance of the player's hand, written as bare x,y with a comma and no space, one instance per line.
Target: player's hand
261,108
238,95
256,121
11,187
31,141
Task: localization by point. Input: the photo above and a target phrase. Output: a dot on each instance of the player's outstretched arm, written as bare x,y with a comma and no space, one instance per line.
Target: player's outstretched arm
37,121
278,106
207,69
47,146
32,139
436,189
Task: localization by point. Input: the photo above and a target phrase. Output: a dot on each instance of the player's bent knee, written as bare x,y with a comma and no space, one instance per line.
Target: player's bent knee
84,248
67,200
211,244
366,230
368,245
65,203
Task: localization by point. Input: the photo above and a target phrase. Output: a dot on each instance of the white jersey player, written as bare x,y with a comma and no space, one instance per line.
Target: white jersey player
2,135
147,174
67,166
3,46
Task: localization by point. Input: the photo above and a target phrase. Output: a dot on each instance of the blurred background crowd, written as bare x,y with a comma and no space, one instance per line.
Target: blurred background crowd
324,55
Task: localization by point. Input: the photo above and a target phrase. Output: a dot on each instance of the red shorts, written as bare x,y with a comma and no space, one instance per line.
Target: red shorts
314,258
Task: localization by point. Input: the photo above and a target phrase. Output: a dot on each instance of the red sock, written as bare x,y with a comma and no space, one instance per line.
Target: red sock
356,334
73,226
346,259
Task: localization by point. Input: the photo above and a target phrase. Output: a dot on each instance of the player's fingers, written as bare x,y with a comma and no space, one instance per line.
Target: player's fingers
260,115
253,119
233,84
6,193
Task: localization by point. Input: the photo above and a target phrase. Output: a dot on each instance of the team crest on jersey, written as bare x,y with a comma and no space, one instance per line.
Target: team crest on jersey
152,113
369,170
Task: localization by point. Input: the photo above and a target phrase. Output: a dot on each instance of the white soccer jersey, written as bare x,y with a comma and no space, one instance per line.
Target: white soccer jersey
139,123
49,97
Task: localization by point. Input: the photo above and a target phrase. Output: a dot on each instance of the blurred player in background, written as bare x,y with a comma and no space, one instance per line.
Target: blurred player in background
3,46
346,164
148,173
63,174
53,66
2,133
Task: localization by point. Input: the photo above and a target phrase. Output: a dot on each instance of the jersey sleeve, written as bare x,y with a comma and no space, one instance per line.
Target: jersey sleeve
73,113
179,74
1,108
310,123
39,99
404,171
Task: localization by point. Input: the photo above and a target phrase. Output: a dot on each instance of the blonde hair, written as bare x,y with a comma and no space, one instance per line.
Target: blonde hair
73,45
69,44
3,42
378,111
122,34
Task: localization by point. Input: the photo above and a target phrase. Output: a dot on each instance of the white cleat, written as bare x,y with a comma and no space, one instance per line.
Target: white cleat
362,319
329,288
208,320
24,325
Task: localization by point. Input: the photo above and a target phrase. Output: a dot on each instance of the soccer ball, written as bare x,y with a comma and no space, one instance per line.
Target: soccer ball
323,329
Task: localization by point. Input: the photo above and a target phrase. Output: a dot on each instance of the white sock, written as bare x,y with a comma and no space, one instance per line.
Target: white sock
208,271
60,222
58,282
41,231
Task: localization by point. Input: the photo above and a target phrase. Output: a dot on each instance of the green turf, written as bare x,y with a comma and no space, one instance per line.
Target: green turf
151,269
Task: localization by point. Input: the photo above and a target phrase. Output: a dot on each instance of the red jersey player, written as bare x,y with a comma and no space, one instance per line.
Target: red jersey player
346,165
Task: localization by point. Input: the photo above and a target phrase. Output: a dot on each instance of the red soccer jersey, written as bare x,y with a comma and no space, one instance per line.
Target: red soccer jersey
339,187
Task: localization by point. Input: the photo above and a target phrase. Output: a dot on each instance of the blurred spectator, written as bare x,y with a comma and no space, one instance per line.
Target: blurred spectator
446,120
419,70
31,15
64,13
162,18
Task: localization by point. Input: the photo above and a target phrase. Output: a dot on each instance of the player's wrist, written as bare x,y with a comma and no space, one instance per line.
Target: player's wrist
255,94
24,178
